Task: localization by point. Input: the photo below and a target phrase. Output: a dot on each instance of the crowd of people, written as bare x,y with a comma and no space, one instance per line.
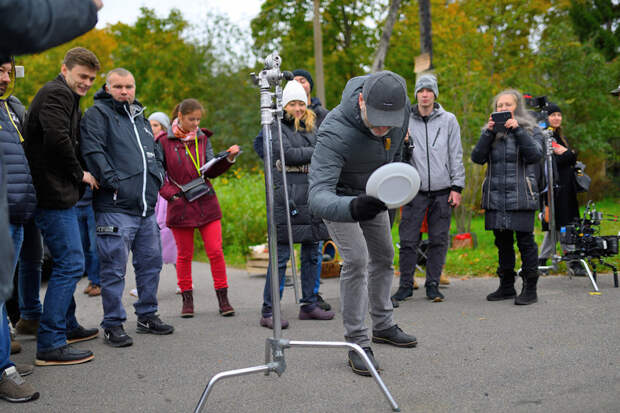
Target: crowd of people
95,187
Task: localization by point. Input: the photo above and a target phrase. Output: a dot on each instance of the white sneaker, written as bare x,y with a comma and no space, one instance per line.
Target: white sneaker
133,292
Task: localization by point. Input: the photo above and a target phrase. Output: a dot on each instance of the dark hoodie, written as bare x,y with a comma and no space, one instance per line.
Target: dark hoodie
346,154
119,150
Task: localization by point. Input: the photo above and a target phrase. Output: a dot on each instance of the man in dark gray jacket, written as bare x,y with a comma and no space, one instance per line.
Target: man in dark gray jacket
118,145
438,157
365,131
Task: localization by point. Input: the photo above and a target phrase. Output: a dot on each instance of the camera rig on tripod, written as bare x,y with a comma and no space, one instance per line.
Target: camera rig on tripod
581,241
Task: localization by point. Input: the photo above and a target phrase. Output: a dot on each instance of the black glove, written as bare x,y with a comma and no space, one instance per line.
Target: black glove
366,207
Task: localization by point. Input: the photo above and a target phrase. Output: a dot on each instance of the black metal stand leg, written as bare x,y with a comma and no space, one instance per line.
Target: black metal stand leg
614,269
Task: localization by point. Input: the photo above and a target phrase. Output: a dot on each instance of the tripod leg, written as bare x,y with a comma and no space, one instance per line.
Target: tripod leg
615,271
226,374
590,273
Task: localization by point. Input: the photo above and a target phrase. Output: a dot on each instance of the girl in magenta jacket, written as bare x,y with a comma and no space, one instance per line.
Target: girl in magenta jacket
186,149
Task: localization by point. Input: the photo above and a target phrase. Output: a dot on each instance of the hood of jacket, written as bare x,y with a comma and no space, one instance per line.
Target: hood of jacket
101,96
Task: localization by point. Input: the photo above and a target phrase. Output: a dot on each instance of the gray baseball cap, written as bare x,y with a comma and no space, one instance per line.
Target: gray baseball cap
616,91
385,94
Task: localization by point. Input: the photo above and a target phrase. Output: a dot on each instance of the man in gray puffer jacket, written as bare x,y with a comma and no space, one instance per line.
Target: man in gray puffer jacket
438,158
365,131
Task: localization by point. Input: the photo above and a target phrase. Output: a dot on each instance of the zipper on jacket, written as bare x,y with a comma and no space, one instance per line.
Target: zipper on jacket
428,156
436,136
145,168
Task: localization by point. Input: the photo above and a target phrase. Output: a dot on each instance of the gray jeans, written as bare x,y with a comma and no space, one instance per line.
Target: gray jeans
367,273
546,248
439,214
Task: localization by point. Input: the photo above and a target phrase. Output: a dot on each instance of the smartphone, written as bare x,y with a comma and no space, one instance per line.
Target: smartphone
500,119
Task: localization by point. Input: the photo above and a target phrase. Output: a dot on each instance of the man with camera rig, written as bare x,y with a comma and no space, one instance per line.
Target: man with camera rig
365,131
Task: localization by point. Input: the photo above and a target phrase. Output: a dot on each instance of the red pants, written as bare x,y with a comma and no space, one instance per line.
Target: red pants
212,238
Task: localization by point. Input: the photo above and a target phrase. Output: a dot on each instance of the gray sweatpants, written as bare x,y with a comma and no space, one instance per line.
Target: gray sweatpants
367,253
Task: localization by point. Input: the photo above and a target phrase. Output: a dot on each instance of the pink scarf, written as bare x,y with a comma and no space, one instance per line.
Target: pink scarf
181,133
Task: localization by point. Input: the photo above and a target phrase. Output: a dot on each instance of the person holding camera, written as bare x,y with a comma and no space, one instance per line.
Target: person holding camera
299,127
512,147
566,205
192,202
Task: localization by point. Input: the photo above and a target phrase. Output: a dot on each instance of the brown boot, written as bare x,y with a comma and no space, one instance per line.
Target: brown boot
188,304
27,327
16,346
222,297
94,291
444,280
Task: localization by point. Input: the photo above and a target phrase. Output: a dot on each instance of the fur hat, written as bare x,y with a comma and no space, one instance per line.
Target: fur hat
306,74
427,81
294,91
162,118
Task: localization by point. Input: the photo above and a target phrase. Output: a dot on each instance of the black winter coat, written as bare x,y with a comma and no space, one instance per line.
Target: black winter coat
119,150
513,172
30,26
51,137
7,254
566,205
20,191
298,148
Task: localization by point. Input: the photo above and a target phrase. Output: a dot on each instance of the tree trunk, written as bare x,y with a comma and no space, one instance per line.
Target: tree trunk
318,54
384,42
426,37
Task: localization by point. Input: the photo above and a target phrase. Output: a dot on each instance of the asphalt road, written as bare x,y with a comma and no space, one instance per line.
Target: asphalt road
559,355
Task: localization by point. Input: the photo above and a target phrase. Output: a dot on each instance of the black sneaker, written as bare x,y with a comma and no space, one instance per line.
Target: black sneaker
358,365
152,324
402,294
64,355
117,337
321,303
433,294
394,336
81,334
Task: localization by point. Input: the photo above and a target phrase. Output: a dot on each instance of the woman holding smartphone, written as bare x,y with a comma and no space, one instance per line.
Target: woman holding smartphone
510,192
192,203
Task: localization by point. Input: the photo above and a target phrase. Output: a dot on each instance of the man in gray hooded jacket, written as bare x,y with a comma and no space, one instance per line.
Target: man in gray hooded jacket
365,131
438,157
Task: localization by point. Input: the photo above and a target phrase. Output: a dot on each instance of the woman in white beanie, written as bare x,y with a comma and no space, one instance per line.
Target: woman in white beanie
298,140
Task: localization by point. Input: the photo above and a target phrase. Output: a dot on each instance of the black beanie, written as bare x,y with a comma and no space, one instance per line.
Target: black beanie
5,58
306,74
552,108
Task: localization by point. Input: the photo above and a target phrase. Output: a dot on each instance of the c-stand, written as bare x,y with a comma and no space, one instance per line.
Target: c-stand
275,362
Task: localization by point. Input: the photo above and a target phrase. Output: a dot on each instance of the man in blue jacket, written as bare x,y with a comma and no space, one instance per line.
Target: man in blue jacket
118,146
361,134
22,203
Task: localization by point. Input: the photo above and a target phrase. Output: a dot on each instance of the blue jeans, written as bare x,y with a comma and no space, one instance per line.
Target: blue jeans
117,234
319,267
5,340
309,262
61,233
17,233
29,273
86,219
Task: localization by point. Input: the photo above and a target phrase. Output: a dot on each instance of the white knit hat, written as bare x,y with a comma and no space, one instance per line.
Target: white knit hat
162,118
294,91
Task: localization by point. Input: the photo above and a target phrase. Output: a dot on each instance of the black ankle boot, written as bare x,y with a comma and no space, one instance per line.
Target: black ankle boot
528,292
506,288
